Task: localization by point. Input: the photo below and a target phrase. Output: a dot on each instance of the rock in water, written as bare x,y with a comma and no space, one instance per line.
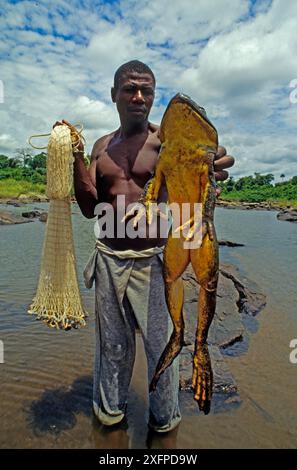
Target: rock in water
8,218
288,215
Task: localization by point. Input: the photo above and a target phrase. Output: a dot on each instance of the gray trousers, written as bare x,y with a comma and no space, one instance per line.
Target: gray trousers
130,294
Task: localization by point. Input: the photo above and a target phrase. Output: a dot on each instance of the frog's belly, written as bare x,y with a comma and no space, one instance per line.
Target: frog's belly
186,183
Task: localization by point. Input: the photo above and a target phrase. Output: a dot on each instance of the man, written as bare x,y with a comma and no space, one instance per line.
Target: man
128,271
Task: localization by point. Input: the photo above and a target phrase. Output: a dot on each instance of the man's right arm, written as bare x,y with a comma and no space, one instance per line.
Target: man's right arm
85,189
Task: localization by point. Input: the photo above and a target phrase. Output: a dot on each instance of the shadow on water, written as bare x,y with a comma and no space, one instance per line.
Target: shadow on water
56,410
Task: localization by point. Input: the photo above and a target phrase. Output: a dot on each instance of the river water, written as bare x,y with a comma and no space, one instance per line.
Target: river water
46,376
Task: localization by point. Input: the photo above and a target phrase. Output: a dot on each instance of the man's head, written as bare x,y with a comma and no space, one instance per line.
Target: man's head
133,91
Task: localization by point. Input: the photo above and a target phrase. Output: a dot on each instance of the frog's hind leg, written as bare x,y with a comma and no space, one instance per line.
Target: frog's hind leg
205,264
176,259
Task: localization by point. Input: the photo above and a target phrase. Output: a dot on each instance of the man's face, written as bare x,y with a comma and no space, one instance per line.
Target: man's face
134,97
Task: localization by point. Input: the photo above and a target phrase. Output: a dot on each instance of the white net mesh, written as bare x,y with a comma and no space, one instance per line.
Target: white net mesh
58,300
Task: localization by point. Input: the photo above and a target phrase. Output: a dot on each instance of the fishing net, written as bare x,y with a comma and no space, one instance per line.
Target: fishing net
57,301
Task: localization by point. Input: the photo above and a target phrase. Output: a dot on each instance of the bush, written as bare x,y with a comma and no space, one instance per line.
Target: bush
11,188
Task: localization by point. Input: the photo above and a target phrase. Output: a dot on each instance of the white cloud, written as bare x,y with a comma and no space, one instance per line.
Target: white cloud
236,58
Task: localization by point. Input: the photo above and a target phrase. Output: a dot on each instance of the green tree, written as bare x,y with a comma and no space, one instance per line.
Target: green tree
263,180
229,184
4,161
14,162
38,161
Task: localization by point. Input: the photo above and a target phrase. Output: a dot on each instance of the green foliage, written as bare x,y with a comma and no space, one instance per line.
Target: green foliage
26,174
3,161
259,188
38,161
24,167
10,188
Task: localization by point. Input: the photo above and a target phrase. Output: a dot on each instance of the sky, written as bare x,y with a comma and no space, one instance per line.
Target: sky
236,58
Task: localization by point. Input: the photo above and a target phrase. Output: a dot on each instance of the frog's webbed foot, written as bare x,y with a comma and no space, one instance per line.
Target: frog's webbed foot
202,380
195,226
191,226
170,352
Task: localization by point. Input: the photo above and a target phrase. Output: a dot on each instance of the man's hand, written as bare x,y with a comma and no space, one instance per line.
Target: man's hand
77,142
222,161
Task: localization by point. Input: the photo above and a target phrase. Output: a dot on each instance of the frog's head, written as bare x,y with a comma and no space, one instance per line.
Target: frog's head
183,115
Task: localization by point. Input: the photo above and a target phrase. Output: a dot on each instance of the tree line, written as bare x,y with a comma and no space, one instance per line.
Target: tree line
259,188
253,188
24,166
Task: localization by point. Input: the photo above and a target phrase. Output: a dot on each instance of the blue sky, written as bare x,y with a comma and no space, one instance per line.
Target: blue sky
234,57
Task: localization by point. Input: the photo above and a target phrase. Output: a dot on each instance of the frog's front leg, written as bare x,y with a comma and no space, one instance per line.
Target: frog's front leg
147,204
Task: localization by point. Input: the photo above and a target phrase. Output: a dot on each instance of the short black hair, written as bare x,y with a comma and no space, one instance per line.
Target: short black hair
132,66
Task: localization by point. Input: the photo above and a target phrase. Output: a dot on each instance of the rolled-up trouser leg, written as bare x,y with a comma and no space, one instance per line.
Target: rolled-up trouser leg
146,294
115,340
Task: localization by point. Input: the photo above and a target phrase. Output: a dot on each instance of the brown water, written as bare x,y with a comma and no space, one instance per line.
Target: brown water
46,379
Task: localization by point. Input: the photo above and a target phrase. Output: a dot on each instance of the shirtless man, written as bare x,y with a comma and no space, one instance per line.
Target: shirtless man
128,271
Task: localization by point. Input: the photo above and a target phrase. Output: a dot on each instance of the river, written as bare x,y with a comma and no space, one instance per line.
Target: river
46,376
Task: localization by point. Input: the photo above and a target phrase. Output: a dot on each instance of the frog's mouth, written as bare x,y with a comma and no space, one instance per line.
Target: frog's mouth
185,99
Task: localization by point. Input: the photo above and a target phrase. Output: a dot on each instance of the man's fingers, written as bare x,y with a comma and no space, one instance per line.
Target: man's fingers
66,122
218,191
221,152
221,175
57,123
223,162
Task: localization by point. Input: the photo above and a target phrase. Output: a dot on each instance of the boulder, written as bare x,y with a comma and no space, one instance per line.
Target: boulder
14,202
8,218
229,243
43,217
288,215
31,214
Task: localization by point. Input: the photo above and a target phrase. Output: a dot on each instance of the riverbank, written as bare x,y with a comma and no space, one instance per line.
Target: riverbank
285,212
277,205
265,205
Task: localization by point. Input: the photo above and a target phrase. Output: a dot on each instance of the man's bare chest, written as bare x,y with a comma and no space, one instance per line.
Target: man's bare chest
124,160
